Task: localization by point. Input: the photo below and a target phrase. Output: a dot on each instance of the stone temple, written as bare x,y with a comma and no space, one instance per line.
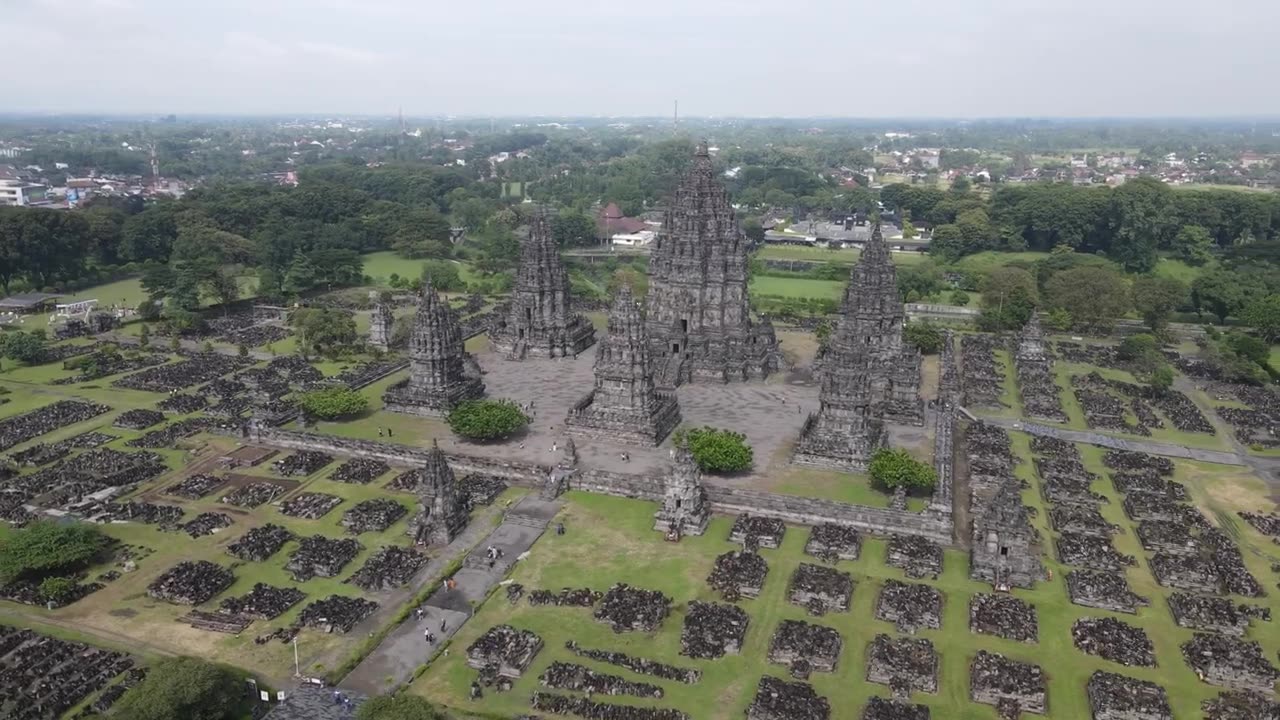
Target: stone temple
700,325
625,406
443,514
873,305
540,322
441,374
1004,551
685,508
846,430
380,324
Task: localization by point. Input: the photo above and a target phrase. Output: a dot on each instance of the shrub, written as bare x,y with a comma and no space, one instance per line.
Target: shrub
924,335
1059,319
57,589
333,402
44,547
397,707
185,688
894,468
960,297
717,450
487,419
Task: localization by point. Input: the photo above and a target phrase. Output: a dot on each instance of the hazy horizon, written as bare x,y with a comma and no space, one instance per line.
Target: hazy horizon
821,59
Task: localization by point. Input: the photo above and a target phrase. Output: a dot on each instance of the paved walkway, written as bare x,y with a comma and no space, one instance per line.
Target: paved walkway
1107,441
405,649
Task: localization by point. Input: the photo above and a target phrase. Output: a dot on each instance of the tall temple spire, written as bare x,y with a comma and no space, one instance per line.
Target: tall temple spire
699,321
439,375
380,323
624,405
874,306
540,321
846,430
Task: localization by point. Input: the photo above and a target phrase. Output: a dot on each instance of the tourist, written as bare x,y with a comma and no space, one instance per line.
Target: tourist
442,624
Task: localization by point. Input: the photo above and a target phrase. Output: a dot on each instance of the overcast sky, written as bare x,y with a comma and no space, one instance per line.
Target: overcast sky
856,58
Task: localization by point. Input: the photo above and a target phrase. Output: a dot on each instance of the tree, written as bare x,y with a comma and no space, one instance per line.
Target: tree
908,230
892,468
443,275
754,231
45,547
924,336
1009,296
144,335
184,688
1059,319
486,420
1224,292
57,589
573,229
1140,220
960,297
1155,298
332,403
1193,244
24,347
1160,378
301,275
924,279
717,450
324,329
1095,296
402,706
1263,315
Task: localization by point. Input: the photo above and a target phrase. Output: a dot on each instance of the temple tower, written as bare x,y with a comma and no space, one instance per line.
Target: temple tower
874,305
380,324
685,508
440,374
443,514
1003,552
540,322
846,430
699,321
625,406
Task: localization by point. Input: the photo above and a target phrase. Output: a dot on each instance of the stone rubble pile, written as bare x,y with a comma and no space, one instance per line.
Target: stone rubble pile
981,376
1230,662
1120,697
251,495
183,404
1003,616
336,613
309,505
302,463
579,678
207,524
260,543
504,650
1013,687
138,419
820,589
909,606
1214,614
321,556
1091,552
626,608
169,435
194,487
804,648
191,582
42,678
567,597
830,542
639,665
781,700
918,557
583,707
712,630
265,602
879,708
737,574
63,413
373,515
905,664
1241,705
389,568
361,471
183,374
757,531
1114,640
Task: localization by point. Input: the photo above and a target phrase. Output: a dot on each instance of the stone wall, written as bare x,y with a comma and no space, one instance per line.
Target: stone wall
725,500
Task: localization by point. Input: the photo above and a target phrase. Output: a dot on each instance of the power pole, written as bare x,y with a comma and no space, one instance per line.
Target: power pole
675,119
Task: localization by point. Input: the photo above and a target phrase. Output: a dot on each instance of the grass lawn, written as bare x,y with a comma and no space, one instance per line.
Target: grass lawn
988,260
1063,371
610,540
832,485
1178,270
845,256
796,287
380,266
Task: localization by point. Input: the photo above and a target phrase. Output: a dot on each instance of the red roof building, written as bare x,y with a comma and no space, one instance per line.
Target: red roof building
610,221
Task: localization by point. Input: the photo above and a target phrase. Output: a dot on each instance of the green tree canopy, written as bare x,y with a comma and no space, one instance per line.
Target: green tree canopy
892,468
924,336
1155,298
1193,244
45,547
443,275
717,450
486,420
401,706
1263,315
184,688
332,403
25,347
324,329
1009,296
1095,296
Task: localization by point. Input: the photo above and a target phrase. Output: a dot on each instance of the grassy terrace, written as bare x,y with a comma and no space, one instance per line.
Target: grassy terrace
610,540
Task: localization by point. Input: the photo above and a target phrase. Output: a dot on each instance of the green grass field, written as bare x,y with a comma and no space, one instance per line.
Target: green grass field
380,266
796,287
610,540
988,260
842,256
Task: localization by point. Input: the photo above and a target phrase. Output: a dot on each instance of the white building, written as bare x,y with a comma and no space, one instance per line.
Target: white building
635,239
